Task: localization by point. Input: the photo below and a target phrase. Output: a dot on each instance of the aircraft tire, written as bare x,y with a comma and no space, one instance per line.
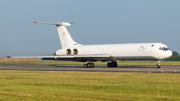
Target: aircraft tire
85,65
115,64
112,64
91,65
88,65
158,66
108,64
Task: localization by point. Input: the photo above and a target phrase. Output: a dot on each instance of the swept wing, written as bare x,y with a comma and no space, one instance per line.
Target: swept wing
81,58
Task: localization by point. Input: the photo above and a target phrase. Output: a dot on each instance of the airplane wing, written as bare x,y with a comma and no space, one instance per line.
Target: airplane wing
81,58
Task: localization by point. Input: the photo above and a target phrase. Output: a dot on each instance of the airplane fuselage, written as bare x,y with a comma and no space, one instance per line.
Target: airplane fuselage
135,51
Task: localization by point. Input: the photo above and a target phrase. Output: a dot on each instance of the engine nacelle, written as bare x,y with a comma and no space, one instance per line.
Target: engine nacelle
68,51
75,51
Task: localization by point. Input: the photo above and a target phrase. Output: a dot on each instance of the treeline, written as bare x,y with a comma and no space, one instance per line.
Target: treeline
175,57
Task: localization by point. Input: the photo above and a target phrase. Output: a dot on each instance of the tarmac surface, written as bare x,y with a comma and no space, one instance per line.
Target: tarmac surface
147,69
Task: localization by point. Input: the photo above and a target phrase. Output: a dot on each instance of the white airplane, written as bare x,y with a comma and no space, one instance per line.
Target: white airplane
73,51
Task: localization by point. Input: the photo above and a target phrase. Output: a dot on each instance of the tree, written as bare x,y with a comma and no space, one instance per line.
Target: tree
175,57
174,54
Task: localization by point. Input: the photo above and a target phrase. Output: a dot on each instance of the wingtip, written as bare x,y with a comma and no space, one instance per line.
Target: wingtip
34,22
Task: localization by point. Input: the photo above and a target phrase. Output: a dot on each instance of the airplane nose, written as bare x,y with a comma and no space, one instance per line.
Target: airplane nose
166,54
169,54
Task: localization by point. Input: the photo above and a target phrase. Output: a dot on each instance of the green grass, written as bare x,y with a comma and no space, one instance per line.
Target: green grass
88,86
120,63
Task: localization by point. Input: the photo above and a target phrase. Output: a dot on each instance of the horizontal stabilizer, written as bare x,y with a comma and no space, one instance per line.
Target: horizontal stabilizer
24,57
58,24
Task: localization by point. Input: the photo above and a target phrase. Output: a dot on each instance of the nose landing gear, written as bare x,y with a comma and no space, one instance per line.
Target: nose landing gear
158,65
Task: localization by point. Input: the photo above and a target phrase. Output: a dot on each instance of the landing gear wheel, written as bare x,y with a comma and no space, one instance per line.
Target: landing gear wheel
112,64
88,65
115,64
108,64
85,65
158,66
91,65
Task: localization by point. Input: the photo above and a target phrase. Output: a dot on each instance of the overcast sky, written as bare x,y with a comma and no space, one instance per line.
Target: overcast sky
96,22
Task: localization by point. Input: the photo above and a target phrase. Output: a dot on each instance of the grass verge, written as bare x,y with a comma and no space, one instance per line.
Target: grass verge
88,86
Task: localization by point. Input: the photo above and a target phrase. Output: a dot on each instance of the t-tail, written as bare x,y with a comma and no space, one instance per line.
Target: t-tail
64,36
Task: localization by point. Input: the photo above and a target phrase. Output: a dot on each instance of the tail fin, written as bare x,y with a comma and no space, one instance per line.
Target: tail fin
64,36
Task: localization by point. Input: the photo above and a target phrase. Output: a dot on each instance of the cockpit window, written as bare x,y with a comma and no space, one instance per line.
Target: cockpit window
164,48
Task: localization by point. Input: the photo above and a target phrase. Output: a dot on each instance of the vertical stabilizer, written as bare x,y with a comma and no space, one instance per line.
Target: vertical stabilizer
64,36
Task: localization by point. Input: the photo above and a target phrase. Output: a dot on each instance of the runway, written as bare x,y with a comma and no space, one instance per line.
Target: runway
148,69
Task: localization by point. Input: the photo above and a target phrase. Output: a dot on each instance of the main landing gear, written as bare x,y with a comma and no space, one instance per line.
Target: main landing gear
112,64
91,65
158,65
88,65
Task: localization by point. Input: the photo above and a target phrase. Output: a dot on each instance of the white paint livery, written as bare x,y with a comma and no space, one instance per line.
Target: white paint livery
72,51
